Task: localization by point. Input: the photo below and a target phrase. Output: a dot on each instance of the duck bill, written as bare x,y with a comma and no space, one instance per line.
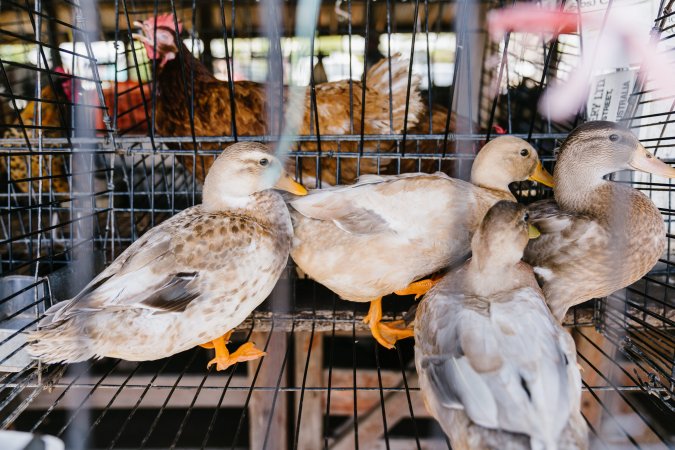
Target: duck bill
288,184
541,175
533,232
646,162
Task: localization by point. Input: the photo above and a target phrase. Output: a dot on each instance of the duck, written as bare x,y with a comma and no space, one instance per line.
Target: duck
598,236
383,234
188,281
495,368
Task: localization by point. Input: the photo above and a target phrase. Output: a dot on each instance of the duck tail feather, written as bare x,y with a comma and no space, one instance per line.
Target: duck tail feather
60,343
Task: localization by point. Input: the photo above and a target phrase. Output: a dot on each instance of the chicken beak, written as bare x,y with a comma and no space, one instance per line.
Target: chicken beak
287,183
541,175
646,162
142,38
533,232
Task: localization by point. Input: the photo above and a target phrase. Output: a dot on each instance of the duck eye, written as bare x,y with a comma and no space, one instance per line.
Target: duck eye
613,137
526,217
263,162
524,152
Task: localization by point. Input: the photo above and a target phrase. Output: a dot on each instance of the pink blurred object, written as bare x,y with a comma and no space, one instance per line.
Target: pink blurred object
530,18
564,99
497,129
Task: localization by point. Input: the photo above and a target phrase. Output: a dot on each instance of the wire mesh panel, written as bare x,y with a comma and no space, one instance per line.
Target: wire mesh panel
100,146
640,322
55,137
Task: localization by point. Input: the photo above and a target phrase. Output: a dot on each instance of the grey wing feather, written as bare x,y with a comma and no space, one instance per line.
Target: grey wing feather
176,294
498,375
152,246
565,237
444,389
547,216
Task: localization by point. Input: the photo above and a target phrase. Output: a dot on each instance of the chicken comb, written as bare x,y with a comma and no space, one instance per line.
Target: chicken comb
166,21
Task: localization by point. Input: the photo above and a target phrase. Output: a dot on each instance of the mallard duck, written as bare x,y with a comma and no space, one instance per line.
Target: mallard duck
495,367
188,280
375,237
598,236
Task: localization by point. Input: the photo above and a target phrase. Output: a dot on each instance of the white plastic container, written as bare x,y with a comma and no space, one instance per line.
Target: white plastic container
31,306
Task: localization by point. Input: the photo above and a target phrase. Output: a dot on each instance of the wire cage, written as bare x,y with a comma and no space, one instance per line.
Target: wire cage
86,170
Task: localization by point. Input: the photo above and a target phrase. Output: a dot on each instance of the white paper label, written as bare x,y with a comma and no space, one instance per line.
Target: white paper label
609,95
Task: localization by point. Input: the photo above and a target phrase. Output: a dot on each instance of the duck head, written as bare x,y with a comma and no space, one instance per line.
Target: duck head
502,236
505,160
596,149
242,170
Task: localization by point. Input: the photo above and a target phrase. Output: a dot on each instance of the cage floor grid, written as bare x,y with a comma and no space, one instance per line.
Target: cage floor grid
321,385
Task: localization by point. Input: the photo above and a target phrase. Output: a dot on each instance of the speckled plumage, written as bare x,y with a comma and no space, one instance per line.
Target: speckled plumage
377,236
187,281
496,369
598,236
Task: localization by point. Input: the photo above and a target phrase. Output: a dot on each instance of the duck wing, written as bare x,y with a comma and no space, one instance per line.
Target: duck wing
568,256
502,363
166,269
379,204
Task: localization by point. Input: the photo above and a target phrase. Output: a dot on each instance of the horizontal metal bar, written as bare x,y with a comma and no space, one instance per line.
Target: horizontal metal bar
247,387
131,141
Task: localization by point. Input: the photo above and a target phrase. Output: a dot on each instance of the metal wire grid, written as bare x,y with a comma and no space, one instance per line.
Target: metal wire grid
325,388
149,186
640,322
52,153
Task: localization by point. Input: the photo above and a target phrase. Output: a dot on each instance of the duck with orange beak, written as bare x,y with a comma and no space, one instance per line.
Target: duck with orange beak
192,279
380,235
495,368
597,236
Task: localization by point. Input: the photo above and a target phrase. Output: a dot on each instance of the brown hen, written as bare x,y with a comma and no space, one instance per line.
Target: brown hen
213,113
54,123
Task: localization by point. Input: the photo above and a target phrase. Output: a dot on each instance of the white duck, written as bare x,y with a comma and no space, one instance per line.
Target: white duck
379,235
188,280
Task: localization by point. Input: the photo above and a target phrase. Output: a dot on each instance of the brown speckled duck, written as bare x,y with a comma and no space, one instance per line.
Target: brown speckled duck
190,279
598,236
496,369
379,235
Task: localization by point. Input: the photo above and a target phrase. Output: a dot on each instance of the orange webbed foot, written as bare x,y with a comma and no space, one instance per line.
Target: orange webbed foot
224,359
385,333
418,288
246,352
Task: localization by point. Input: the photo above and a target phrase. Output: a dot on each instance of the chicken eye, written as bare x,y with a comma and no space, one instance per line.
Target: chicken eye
263,162
524,152
613,137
